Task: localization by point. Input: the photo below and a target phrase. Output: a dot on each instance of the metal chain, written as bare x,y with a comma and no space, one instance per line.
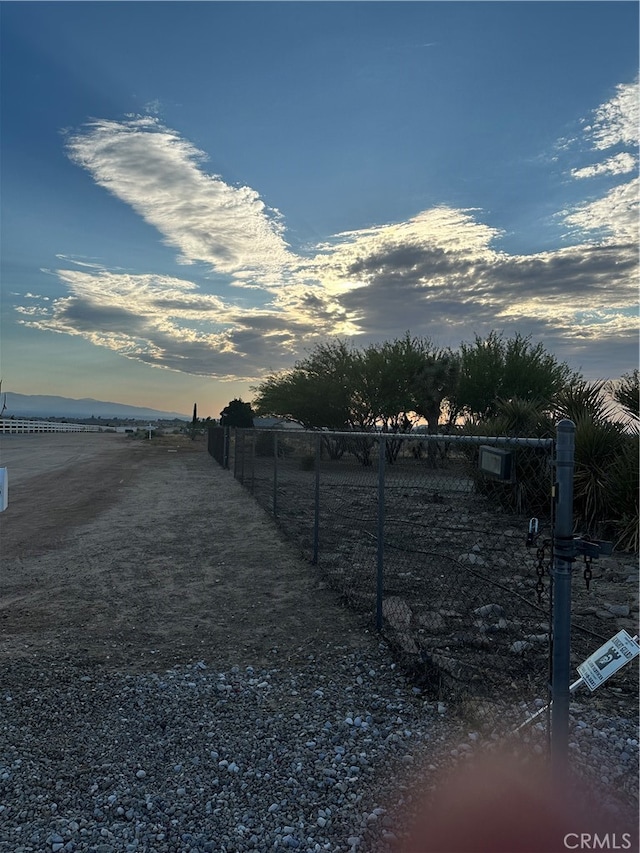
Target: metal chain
587,574
532,536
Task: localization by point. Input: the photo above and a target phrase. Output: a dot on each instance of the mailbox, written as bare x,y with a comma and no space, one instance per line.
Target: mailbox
496,462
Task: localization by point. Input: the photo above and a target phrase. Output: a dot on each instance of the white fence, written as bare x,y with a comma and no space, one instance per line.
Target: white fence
15,425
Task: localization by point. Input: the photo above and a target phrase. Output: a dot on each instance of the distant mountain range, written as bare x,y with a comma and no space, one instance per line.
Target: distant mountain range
41,406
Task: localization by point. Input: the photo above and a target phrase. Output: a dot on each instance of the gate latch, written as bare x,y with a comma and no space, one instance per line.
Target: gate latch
532,535
591,548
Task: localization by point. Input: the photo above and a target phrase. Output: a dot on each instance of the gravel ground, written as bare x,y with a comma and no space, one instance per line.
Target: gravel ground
308,755
317,753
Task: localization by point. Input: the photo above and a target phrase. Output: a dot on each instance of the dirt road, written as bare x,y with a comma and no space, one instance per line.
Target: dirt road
145,554
37,454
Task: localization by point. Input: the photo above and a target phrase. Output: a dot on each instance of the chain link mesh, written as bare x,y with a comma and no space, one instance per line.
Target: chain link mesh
459,604
450,561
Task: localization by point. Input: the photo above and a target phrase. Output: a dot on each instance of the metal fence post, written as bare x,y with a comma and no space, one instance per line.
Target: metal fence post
235,453
380,565
563,554
253,461
225,451
316,503
243,433
275,473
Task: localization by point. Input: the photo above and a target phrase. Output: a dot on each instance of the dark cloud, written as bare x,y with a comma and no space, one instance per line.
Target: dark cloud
87,316
401,260
184,304
572,272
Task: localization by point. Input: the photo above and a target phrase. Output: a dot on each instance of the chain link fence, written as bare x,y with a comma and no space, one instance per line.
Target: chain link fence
428,536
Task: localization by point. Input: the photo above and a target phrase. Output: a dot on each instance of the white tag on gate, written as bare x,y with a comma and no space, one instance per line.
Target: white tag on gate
609,658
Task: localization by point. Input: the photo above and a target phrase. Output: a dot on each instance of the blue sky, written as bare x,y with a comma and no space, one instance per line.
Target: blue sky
195,194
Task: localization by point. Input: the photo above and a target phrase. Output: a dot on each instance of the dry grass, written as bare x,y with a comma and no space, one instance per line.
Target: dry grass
178,442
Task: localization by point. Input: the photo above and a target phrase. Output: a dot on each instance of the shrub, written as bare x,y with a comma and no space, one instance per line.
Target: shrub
606,480
622,486
530,491
598,445
264,445
308,462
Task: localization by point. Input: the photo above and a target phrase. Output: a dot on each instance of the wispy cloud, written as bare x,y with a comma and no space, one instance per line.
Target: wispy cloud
615,124
617,121
160,175
440,273
614,216
619,164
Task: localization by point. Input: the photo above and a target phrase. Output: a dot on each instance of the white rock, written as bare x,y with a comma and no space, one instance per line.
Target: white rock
520,646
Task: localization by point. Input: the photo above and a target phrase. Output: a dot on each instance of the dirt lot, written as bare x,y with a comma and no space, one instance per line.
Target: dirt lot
144,554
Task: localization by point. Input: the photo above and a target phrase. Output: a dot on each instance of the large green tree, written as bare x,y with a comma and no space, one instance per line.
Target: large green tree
316,392
495,369
434,385
389,386
407,379
237,414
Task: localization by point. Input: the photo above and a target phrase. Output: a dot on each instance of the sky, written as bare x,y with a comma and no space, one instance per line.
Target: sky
195,194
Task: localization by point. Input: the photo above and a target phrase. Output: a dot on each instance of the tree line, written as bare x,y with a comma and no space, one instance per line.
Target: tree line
495,385
397,384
